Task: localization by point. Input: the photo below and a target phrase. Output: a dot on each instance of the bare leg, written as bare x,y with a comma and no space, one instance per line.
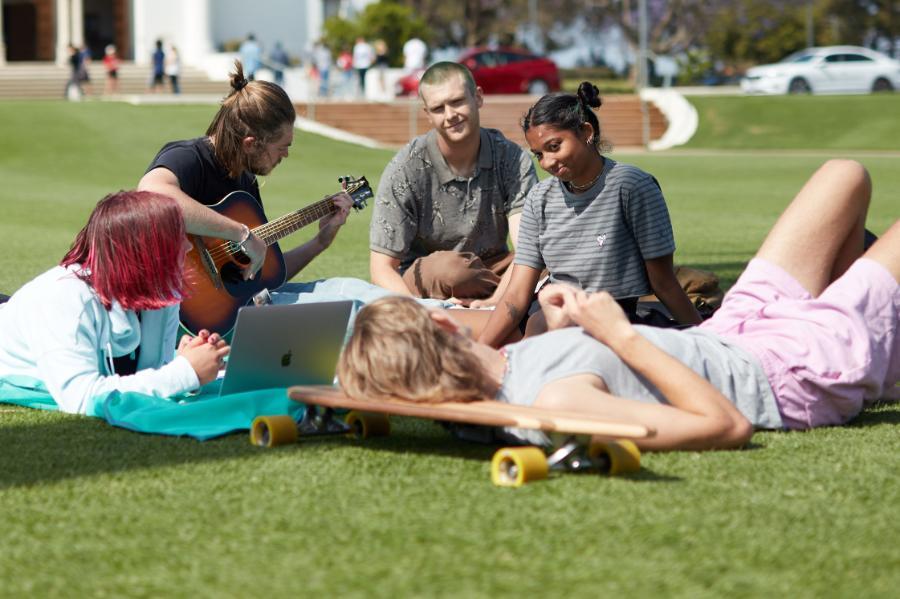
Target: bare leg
820,233
886,251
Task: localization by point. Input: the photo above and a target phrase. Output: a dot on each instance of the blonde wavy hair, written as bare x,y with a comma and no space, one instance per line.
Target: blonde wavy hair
397,351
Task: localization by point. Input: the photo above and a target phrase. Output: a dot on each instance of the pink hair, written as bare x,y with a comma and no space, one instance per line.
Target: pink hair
132,251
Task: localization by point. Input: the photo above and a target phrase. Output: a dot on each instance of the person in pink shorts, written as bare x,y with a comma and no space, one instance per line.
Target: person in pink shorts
819,315
806,337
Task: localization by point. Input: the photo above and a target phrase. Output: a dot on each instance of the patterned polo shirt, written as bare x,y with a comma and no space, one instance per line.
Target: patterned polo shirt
422,207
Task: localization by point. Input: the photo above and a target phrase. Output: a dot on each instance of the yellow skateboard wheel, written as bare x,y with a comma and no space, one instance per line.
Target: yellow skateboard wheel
623,455
270,431
368,424
515,466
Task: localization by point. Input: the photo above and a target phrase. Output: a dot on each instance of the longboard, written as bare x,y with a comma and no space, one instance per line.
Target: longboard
581,443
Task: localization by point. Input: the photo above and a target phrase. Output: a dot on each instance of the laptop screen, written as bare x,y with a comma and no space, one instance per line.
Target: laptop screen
284,345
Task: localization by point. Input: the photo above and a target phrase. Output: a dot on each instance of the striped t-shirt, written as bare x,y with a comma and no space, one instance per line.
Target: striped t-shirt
599,239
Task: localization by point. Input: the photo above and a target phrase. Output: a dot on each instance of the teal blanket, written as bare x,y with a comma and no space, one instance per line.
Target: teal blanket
202,416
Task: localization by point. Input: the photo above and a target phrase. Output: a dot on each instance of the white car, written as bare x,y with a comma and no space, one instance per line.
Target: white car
826,70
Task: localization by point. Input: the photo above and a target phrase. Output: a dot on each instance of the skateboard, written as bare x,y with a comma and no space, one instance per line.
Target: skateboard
579,443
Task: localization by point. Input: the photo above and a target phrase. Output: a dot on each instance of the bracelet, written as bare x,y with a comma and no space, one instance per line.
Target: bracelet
241,243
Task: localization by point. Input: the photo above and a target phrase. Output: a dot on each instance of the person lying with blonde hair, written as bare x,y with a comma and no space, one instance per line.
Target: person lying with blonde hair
806,337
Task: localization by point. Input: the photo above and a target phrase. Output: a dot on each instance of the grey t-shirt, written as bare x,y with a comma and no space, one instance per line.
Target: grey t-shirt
599,239
539,360
421,207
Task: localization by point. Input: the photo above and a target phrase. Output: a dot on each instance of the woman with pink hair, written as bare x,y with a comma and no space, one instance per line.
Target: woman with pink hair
105,319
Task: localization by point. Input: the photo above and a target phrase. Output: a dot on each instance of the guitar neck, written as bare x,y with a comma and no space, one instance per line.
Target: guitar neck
274,230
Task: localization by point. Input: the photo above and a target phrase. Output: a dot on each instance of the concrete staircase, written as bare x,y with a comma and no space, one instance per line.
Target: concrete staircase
394,123
41,80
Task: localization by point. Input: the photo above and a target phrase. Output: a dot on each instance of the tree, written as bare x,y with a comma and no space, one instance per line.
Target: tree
753,32
473,22
339,34
394,23
874,23
387,20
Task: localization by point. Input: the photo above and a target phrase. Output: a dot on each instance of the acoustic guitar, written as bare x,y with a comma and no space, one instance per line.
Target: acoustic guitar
214,266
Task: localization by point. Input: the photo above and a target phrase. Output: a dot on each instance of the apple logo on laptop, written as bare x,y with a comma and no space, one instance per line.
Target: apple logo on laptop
286,359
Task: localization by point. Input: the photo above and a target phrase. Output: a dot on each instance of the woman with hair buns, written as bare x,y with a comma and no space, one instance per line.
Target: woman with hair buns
249,136
596,224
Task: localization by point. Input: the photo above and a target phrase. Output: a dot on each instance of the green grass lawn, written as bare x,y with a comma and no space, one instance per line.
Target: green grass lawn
92,510
869,122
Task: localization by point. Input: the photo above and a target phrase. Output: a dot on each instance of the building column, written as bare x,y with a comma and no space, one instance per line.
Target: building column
62,32
139,27
315,18
2,43
76,14
197,36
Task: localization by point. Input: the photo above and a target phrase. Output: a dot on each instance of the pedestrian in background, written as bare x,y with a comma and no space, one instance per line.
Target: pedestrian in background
363,59
345,64
111,66
73,86
414,52
173,68
251,56
278,62
158,62
382,62
321,58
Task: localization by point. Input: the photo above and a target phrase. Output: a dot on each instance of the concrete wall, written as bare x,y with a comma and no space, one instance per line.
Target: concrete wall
184,23
291,22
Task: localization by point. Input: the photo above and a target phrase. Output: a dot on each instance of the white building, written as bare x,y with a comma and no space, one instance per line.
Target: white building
41,30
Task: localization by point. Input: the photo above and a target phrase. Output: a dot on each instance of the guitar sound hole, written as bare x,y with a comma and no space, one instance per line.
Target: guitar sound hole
235,285
231,273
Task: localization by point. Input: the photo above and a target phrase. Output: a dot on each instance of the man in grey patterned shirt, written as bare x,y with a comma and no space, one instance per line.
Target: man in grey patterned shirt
448,200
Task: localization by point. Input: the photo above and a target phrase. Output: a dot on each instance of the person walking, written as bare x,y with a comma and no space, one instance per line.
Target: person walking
111,66
321,57
278,62
363,59
173,69
251,56
158,68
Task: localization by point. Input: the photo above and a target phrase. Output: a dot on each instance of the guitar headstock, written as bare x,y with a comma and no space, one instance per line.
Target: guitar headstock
358,190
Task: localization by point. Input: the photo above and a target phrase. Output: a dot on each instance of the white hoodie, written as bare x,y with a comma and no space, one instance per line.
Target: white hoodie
55,334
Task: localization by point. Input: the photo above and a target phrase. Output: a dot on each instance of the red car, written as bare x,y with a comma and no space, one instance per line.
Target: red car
500,71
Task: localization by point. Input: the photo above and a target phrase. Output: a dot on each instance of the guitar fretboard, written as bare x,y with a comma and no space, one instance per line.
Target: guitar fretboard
274,230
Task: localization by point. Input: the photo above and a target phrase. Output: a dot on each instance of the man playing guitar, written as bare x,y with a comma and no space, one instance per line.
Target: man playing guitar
249,136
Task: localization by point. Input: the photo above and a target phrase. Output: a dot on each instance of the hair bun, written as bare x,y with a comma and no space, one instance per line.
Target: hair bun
238,81
589,94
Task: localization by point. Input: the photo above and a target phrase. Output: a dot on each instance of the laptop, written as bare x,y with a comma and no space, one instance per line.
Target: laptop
285,345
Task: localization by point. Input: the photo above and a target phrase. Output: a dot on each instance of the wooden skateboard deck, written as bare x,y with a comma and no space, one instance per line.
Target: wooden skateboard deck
484,412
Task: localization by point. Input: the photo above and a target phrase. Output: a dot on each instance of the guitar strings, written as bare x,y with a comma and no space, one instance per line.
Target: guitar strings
288,223
284,225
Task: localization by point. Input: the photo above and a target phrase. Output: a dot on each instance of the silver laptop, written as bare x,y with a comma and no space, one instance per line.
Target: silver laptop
280,346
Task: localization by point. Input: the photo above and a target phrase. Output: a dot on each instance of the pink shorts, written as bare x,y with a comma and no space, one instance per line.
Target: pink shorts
825,357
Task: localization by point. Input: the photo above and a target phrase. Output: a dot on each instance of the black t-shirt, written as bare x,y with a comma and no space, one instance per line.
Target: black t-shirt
199,173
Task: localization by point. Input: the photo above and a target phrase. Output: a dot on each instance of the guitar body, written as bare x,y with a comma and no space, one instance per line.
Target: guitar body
217,289
213,267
